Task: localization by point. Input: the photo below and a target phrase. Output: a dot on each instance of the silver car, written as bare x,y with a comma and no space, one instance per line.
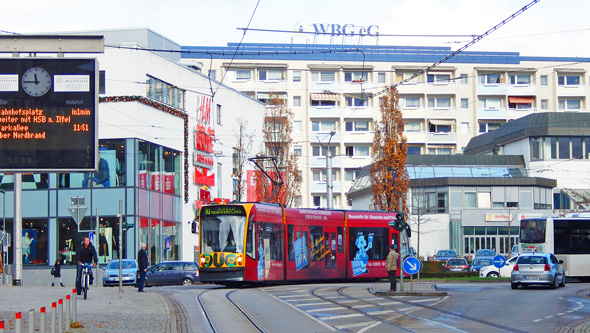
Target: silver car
537,268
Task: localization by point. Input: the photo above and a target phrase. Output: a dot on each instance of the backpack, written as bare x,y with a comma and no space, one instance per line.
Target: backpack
53,271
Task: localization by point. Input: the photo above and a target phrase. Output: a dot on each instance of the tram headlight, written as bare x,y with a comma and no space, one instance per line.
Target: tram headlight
239,260
203,260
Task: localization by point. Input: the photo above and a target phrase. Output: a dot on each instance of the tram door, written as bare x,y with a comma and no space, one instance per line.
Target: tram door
302,238
330,263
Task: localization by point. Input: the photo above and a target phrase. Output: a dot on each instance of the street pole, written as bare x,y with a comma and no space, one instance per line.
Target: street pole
399,249
120,246
329,193
18,231
4,240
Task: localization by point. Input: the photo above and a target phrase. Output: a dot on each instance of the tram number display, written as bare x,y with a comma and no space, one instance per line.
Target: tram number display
48,114
224,210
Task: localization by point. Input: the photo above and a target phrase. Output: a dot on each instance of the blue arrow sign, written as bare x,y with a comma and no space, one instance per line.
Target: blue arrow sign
412,265
499,261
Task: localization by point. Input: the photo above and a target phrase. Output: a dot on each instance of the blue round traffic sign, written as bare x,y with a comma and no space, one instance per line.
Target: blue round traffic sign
499,261
412,265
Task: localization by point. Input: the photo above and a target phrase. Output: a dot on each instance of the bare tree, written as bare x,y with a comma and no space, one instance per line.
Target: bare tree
244,145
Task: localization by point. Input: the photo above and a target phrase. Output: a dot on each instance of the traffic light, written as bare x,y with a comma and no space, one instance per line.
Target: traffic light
400,221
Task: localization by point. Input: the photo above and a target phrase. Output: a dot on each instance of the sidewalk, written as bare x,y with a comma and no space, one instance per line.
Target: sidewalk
105,310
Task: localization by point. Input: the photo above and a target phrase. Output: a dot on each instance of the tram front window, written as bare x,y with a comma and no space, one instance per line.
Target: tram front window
223,233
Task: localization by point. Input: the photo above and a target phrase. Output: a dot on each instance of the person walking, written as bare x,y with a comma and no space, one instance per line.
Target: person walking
85,254
391,267
57,274
143,264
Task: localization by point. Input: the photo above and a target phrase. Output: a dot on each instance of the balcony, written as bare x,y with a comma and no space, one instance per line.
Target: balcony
323,137
442,113
417,113
337,187
491,89
415,137
441,137
324,86
441,88
355,85
325,112
522,90
499,113
358,137
572,91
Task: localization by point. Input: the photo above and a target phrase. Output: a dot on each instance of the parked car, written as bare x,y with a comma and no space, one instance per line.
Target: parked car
172,273
480,262
514,251
493,271
485,253
110,275
405,254
457,265
444,255
537,268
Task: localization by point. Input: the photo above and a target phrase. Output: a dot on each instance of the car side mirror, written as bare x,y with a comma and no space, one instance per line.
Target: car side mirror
104,268
561,262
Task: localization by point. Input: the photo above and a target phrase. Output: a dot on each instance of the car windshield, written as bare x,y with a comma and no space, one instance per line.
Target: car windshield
532,260
482,262
126,264
445,253
456,262
489,253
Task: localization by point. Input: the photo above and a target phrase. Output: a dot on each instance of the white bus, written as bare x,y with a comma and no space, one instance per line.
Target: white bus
567,237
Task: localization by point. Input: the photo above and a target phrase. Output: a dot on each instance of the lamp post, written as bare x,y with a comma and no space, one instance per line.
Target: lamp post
329,193
4,238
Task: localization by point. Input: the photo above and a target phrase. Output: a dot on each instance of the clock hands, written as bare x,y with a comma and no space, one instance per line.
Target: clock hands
35,82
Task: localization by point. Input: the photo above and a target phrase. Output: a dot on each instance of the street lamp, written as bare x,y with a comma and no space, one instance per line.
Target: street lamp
329,194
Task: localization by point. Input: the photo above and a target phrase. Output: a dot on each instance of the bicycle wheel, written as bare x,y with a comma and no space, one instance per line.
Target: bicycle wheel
85,286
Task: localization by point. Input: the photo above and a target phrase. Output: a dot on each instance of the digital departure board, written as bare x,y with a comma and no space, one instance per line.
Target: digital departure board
48,114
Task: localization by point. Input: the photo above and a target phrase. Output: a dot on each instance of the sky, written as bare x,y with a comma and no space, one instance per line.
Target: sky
548,28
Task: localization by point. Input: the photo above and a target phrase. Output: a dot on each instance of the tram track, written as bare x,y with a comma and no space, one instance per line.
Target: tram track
219,324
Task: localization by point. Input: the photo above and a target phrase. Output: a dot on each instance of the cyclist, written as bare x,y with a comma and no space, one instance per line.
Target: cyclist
86,253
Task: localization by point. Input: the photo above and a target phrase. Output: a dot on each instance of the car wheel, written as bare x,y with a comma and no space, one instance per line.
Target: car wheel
492,274
187,282
554,285
513,285
562,284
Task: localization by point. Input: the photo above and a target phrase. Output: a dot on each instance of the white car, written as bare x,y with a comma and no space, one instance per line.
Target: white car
493,271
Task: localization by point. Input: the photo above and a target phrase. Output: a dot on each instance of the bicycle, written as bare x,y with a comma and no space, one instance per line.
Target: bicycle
85,279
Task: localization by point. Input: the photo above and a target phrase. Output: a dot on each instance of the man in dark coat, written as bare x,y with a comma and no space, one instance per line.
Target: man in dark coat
85,254
142,261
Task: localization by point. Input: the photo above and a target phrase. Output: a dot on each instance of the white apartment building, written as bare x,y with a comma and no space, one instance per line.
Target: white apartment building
334,91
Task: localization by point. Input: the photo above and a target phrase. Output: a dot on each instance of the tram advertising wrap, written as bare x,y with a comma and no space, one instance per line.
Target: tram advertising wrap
259,243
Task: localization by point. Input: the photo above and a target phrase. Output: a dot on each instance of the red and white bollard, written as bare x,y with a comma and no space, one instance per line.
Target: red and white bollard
75,306
42,323
17,322
53,305
60,315
1,326
68,309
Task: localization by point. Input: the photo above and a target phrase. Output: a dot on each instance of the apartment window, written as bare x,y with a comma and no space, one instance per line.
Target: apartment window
296,76
355,101
412,102
569,104
271,75
490,78
438,78
323,150
297,150
243,74
357,126
490,103
219,114
568,80
464,103
357,150
544,104
464,81
536,149
544,81
351,175
380,77
212,74
488,127
319,175
355,76
296,101
402,76
323,126
439,102
440,151
520,79
297,126
317,201
323,76
470,200
414,150
412,126
464,128
520,103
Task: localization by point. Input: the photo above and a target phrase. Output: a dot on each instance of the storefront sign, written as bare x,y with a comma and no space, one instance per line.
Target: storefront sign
345,29
203,160
202,177
498,217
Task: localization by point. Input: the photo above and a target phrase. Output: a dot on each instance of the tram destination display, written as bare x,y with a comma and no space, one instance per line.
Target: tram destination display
48,114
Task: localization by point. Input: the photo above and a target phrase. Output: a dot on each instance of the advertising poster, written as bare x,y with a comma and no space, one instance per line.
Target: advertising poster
300,253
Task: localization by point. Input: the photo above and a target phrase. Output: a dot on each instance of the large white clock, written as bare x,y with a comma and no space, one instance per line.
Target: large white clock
36,81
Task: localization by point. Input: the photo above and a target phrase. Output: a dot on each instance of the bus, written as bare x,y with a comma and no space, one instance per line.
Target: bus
258,243
568,238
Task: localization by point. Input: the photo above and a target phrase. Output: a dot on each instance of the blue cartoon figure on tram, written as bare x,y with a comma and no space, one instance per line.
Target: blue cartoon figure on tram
359,263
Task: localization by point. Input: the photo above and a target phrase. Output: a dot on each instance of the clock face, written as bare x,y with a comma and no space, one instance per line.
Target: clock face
36,81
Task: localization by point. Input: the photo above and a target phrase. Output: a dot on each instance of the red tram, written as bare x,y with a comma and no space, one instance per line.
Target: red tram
261,243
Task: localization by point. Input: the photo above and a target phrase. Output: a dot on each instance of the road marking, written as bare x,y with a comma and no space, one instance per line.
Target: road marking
367,323
313,304
325,309
342,316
